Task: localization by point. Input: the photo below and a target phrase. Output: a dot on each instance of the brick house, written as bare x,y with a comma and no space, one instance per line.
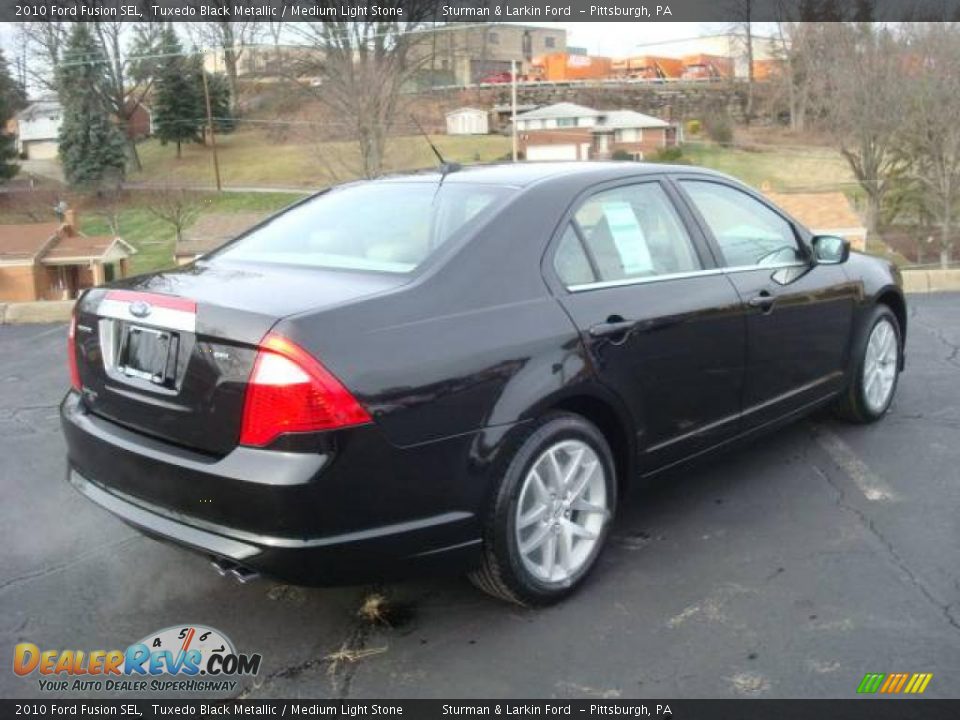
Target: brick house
54,261
566,131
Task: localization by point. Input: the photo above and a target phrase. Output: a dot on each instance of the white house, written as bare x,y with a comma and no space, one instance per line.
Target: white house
566,131
38,126
467,121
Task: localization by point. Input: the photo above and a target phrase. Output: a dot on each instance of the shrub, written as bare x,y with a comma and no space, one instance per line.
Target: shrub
669,155
621,155
719,129
694,127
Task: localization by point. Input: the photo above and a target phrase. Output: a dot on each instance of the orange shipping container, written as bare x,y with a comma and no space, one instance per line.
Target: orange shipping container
557,67
707,66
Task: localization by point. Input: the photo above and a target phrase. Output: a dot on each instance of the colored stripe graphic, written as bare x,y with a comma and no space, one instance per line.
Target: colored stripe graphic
871,682
895,683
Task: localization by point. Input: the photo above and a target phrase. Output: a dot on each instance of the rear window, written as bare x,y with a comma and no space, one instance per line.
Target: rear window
385,227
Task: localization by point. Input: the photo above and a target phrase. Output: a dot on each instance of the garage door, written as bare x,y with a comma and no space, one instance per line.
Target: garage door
42,150
551,152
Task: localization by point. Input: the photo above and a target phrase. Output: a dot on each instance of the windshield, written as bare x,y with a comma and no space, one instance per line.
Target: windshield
386,227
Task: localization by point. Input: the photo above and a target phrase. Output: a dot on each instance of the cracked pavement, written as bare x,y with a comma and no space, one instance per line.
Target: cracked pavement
765,572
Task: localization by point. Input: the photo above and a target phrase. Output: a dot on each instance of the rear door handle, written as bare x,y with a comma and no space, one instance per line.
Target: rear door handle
763,300
615,325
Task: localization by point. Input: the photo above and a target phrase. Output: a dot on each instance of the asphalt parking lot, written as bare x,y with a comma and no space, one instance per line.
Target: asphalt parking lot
786,569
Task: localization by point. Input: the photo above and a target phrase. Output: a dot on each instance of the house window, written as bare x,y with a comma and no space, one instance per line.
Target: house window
493,38
566,122
550,42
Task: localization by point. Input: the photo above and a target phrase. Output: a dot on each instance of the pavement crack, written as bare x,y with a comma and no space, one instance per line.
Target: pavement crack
65,565
946,609
954,357
342,664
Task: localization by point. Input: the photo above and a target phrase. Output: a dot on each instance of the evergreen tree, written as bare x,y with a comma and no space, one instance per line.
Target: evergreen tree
178,108
91,145
220,105
11,100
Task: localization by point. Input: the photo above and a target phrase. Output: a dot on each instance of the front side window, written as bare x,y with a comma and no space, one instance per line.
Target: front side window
384,227
747,231
626,233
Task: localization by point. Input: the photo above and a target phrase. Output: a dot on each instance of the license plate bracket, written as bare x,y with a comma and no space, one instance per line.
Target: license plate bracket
148,354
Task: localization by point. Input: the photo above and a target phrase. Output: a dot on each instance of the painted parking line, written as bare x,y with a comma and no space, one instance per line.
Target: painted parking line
872,487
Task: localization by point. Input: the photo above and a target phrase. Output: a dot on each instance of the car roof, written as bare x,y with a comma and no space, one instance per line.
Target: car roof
521,174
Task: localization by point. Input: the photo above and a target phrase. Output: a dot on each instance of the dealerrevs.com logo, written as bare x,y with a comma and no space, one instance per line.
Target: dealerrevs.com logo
191,658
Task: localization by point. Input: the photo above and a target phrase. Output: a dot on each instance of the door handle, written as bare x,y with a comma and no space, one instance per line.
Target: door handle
763,300
615,325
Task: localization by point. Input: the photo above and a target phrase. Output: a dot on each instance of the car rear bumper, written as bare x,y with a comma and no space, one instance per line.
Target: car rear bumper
307,518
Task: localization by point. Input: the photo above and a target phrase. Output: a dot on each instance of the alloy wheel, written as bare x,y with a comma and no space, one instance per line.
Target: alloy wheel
880,366
561,512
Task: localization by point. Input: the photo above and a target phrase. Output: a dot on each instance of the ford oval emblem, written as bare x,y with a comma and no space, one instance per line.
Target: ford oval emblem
140,309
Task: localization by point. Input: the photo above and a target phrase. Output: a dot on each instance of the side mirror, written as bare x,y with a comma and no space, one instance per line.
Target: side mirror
830,249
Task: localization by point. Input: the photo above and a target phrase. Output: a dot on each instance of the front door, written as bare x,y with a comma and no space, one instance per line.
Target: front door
799,314
662,325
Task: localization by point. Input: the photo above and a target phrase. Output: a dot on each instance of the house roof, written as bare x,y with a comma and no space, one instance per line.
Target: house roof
559,110
25,242
74,248
620,119
38,108
55,244
459,110
820,211
213,230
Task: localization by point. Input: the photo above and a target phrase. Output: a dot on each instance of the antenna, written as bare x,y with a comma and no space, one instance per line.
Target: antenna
445,167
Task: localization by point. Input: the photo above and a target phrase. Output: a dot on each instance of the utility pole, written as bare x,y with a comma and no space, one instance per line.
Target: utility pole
213,135
513,104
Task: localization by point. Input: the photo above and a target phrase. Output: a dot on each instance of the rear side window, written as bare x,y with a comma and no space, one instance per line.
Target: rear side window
625,233
747,231
386,227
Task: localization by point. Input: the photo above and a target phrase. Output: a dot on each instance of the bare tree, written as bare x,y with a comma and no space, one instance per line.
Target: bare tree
43,44
931,133
359,70
130,72
231,39
742,31
865,112
178,207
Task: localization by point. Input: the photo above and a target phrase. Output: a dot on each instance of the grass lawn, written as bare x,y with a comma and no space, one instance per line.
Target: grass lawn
154,239
789,168
253,159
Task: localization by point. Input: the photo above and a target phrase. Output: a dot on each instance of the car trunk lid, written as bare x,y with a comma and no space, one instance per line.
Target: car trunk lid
170,354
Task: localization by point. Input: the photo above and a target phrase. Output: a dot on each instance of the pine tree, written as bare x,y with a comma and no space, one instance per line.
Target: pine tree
11,100
220,105
91,145
178,107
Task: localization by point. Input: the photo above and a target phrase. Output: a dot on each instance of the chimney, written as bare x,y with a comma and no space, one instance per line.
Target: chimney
70,222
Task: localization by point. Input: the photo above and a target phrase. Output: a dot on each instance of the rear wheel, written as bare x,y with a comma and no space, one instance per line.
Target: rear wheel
874,378
550,516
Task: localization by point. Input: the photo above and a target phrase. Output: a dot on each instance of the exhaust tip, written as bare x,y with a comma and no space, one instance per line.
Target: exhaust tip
244,575
223,567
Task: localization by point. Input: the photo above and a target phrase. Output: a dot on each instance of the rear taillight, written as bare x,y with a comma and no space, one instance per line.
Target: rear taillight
291,392
72,353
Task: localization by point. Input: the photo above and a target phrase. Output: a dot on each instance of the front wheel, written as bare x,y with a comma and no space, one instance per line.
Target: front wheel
551,513
877,365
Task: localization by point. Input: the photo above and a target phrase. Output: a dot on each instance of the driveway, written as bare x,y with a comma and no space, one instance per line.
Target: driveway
786,569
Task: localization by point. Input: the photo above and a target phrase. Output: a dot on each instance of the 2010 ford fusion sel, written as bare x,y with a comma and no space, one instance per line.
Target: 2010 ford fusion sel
464,369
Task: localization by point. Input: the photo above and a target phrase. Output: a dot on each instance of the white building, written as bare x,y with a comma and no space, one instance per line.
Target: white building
38,129
467,121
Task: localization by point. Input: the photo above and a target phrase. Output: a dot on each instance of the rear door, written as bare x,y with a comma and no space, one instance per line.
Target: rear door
799,314
662,325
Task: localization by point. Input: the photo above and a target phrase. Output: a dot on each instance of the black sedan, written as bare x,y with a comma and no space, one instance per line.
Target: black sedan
464,371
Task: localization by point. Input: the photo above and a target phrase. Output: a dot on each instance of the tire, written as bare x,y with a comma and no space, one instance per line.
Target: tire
522,513
861,402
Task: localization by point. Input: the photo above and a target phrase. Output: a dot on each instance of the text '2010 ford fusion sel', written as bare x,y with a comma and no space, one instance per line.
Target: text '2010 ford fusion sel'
464,370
